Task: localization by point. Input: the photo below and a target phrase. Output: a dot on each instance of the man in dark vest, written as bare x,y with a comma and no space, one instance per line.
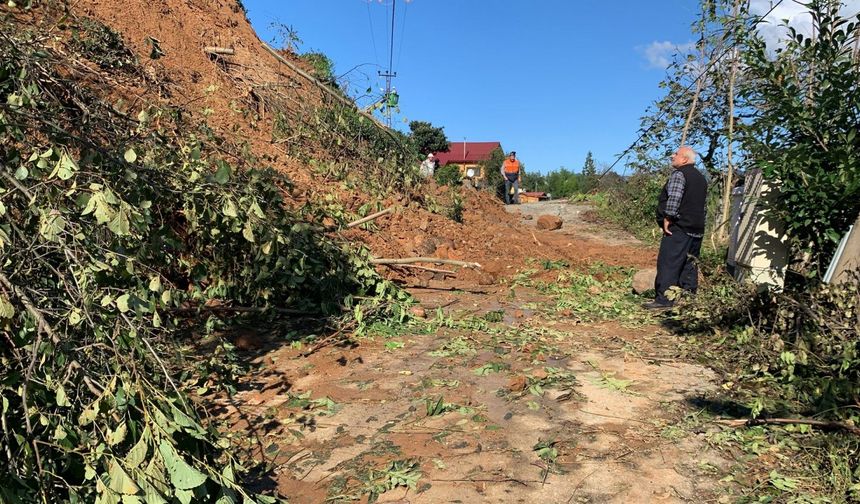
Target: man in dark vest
681,216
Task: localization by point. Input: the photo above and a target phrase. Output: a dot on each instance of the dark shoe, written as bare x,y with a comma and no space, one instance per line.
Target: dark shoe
654,305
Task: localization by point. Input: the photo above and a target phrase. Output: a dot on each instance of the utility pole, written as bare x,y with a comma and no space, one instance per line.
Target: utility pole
389,73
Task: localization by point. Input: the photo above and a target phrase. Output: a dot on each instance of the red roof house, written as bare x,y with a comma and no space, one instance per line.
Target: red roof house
467,152
468,156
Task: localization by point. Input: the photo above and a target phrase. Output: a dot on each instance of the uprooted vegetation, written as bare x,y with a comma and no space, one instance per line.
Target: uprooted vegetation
121,234
139,236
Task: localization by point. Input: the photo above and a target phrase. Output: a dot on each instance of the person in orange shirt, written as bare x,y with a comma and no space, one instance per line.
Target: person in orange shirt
511,172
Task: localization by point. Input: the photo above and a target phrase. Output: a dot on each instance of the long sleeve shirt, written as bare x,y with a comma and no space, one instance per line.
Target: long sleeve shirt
675,188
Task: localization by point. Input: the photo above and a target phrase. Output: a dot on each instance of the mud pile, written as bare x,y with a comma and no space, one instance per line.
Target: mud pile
228,92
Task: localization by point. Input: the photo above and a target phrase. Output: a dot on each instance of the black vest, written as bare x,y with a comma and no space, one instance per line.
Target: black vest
691,212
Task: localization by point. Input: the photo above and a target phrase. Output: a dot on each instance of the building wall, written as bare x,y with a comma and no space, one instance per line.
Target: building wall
465,166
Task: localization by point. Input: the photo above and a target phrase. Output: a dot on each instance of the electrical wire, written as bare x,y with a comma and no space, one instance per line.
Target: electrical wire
402,32
372,33
664,110
391,44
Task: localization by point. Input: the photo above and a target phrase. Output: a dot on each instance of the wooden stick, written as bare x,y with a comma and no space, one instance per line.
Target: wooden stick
488,480
425,268
792,421
241,309
370,217
229,51
445,289
433,260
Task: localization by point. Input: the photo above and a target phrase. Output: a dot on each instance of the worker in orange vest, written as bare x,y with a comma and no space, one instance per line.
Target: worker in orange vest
511,172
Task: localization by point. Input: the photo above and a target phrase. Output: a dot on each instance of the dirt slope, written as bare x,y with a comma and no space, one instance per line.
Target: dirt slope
230,94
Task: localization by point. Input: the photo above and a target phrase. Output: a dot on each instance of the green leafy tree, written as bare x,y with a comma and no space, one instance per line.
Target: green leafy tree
322,67
426,138
490,168
535,182
663,125
563,183
803,133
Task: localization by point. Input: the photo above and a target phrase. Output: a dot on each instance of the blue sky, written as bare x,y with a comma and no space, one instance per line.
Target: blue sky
551,79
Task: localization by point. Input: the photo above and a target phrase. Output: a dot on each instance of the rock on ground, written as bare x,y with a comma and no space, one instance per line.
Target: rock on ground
643,280
549,222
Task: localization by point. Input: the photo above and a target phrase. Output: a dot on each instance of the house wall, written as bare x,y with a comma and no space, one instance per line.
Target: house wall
465,166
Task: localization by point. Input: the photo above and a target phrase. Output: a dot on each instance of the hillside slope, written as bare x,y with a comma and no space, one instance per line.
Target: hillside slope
245,97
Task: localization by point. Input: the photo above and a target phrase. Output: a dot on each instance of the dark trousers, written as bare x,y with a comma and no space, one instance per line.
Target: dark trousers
515,184
676,263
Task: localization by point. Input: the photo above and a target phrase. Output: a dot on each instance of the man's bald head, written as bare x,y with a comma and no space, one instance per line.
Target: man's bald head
683,156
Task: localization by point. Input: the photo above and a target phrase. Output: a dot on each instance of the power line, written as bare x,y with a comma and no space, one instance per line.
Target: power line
391,46
372,33
664,110
402,32
389,96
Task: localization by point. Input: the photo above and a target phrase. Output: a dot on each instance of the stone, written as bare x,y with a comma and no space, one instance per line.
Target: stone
485,278
424,245
549,222
419,312
643,280
517,383
442,251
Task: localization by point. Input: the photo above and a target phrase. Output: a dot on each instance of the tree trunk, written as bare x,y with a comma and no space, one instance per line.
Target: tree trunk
722,233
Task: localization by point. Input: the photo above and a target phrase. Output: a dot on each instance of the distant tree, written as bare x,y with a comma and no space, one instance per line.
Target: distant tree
534,182
490,168
426,138
563,183
589,174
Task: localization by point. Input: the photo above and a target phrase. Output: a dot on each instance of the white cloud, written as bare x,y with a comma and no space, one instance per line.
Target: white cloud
772,28
659,54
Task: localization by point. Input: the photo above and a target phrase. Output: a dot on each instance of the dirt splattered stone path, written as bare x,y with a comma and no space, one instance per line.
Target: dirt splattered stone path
501,396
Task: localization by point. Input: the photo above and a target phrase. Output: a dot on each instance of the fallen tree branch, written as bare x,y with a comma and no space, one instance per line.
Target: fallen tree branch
229,51
488,480
434,260
823,424
42,325
370,217
425,268
445,289
443,305
240,309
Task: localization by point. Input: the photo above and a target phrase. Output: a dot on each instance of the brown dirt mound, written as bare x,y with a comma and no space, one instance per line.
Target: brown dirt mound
230,94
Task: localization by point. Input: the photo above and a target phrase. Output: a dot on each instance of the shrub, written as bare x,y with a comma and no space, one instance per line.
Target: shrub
448,175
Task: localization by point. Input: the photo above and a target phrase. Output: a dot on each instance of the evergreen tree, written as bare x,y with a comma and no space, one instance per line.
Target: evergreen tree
589,174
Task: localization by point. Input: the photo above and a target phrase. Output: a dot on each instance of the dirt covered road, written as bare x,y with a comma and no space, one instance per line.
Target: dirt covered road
551,385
